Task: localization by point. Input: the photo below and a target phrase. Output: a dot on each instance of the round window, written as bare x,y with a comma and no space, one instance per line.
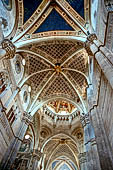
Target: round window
18,67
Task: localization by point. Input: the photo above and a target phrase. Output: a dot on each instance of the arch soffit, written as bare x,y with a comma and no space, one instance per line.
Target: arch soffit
60,154
36,108
56,135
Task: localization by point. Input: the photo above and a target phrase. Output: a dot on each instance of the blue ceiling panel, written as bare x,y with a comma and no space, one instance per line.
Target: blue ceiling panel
54,22
78,6
29,8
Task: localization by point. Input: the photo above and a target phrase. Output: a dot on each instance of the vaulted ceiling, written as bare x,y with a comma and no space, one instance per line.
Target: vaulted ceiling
50,37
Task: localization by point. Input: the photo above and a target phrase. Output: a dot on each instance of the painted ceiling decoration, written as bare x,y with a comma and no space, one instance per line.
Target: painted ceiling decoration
77,5
55,67
51,16
28,11
50,39
56,21
60,106
57,74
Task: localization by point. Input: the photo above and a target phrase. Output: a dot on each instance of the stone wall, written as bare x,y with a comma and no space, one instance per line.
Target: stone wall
102,119
106,108
6,134
109,32
98,18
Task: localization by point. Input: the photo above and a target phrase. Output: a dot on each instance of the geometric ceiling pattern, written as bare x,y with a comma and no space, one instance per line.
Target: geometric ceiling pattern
50,37
68,56
58,149
57,67
51,16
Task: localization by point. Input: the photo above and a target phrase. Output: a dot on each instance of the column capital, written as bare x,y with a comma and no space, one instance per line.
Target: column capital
85,120
82,157
9,47
109,6
89,41
91,38
27,118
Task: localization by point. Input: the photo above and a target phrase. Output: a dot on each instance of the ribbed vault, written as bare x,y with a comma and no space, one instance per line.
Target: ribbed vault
55,68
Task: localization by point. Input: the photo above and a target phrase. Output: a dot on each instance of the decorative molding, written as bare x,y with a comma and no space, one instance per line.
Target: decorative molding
91,38
27,118
9,47
84,120
82,157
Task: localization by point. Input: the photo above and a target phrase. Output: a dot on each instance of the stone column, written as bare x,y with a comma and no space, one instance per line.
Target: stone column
103,56
11,153
35,159
2,51
103,146
90,148
83,161
100,146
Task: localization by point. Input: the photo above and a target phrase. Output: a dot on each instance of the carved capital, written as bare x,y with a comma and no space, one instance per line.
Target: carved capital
82,157
109,6
85,120
91,38
89,41
27,118
9,47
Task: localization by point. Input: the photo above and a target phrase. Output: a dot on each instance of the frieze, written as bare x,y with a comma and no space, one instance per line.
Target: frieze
54,33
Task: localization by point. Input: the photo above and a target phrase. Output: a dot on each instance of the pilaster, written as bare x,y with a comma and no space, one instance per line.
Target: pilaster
11,153
83,161
90,146
35,159
102,55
